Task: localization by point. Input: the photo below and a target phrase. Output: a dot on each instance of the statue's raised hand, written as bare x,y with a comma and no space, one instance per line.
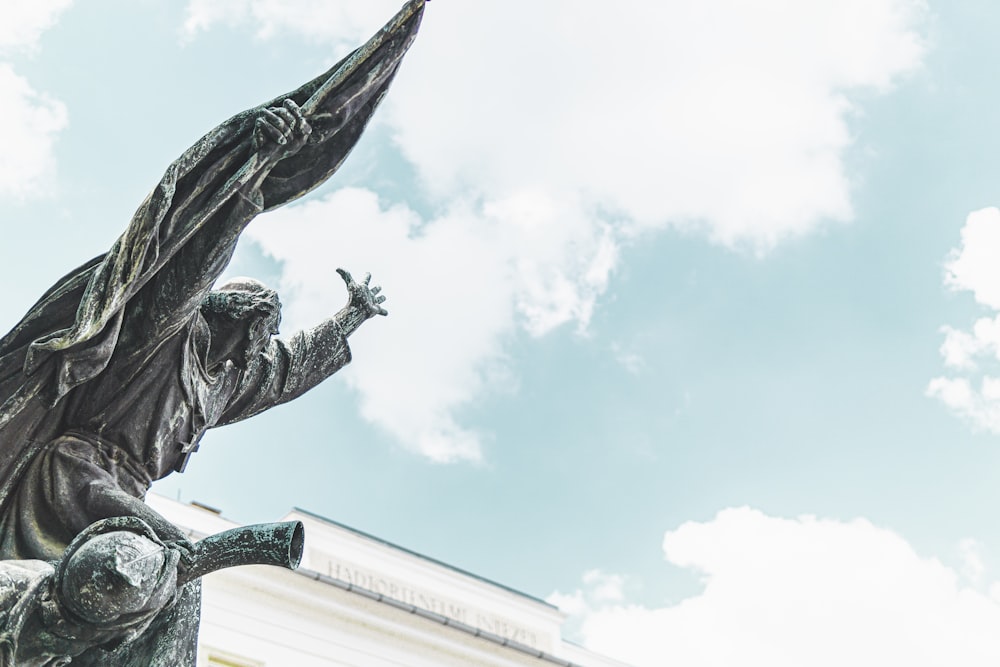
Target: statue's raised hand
280,131
363,299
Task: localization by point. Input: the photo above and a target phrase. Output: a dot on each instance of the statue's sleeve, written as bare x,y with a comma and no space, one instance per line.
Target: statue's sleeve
286,370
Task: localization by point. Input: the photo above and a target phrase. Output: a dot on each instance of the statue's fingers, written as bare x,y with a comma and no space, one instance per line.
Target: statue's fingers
376,289
269,131
367,279
272,125
287,116
273,118
382,311
300,120
346,276
380,299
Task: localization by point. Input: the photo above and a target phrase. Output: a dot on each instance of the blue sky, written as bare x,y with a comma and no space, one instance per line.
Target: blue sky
692,326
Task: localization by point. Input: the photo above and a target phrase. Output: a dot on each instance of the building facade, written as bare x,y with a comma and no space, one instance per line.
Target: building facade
359,601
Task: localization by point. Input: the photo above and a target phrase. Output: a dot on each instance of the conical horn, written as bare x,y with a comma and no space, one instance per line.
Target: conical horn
278,544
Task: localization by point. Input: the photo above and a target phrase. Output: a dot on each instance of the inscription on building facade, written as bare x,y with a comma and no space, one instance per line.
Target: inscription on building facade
423,599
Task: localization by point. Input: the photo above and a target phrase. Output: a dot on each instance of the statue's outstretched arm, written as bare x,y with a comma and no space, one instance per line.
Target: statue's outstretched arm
288,369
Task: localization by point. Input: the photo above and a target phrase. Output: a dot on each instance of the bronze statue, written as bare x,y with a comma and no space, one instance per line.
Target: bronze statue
113,377
111,584
114,579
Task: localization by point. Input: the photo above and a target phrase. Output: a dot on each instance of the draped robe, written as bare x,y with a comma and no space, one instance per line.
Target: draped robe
107,372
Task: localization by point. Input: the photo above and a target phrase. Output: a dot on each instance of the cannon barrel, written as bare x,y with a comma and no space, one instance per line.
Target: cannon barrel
278,544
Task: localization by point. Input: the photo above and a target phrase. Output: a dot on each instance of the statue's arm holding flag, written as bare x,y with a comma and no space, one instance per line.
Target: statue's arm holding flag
286,369
70,334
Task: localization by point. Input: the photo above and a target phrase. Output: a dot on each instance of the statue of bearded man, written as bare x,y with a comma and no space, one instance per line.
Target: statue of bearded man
113,377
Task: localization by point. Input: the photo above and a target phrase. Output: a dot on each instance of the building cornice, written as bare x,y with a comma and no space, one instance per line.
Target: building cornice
437,618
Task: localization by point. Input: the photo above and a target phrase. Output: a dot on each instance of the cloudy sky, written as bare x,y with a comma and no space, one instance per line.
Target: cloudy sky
694,307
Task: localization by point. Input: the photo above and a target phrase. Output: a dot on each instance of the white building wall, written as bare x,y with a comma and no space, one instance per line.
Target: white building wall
329,612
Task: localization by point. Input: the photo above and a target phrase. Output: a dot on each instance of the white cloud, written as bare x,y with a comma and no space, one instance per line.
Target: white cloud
32,120
630,361
601,589
807,591
973,565
22,22
961,350
974,267
604,587
980,407
725,115
317,19
457,286
573,604
573,126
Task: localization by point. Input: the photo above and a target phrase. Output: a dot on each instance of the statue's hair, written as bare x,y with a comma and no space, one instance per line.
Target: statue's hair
241,299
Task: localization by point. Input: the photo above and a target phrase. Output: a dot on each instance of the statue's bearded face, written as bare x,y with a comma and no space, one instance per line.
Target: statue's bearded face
254,334
243,315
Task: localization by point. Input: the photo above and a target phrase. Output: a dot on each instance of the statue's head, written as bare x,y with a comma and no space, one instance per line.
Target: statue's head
242,314
117,573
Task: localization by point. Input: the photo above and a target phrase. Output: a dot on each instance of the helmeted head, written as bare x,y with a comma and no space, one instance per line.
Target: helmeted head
117,573
242,315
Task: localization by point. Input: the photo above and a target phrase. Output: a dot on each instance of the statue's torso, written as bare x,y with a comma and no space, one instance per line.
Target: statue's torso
155,404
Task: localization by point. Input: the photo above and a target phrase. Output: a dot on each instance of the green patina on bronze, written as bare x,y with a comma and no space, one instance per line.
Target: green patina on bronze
112,378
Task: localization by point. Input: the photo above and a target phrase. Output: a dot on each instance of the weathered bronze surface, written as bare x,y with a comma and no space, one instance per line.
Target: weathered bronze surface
115,374
112,584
